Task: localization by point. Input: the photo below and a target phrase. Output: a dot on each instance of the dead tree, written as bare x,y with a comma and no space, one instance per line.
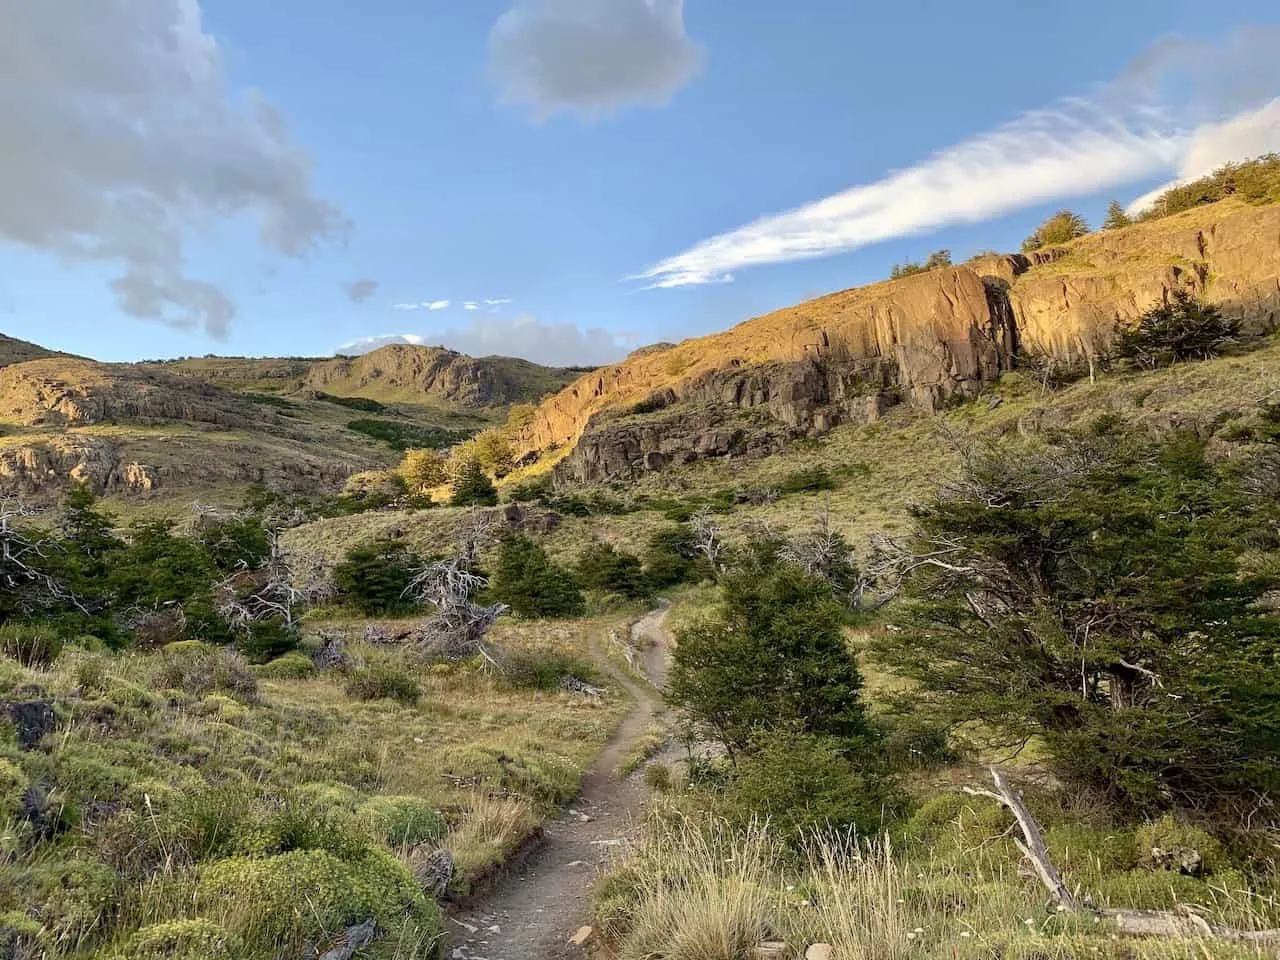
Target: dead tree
707,538
458,627
248,597
23,553
826,555
1183,922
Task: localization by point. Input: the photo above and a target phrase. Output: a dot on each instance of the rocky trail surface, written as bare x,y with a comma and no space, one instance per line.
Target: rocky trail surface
536,910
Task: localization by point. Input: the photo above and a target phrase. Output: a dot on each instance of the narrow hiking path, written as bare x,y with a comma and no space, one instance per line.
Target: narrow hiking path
532,914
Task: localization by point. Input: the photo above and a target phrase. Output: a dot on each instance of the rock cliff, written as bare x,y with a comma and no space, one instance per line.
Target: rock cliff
921,340
413,373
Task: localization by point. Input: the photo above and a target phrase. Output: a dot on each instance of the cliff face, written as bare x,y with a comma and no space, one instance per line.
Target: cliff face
922,340
418,373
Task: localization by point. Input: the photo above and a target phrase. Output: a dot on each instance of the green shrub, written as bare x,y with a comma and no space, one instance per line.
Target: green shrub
182,940
472,486
1169,834
75,898
374,577
804,783
279,904
300,822
531,584
1254,181
363,404
383,682
91,674
35,647
21,937
292,666
1182,329
408,436
546,670
12,783
402,821
606,569
1063,227
669,559
657,776
809,480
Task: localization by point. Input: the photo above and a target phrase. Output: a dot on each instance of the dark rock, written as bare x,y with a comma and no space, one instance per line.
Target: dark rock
434,872
32,720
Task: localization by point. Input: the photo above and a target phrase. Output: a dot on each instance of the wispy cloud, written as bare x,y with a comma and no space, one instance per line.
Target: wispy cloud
1165,115
432,305
591,57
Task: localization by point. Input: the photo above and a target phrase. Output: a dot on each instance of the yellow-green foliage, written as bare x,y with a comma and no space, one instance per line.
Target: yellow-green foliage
12,783
287,901
182,940
292,666
1168,834
402,821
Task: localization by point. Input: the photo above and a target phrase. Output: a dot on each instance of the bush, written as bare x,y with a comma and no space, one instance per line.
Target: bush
657,776
181,940
422,469
1181,329
811,480
606,569
547,670
803,783
472,486
1063,227
402,821
280,904
939,258
527,581
374,577
383,682
669,559
35,647
533,490
235,543
198,669
1168,834
775,659
1254,181
292,666
406,436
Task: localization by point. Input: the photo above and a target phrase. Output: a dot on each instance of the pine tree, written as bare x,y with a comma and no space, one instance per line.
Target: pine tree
533,586
472,486
1116,217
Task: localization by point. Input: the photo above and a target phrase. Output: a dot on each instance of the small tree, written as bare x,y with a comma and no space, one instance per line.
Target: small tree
1063,227
423,470
608,570
472,486
1100,596
493,450
670,558
1116,217
775,658
531,584
375,578
1182,328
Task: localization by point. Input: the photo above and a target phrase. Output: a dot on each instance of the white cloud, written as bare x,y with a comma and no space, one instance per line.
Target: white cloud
432,305
120,140
551,344
500,302
471,305
1160,116
591,57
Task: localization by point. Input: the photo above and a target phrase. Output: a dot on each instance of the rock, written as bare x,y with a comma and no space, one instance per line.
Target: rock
332,654
581,937
351,941
32,720
1184,860
769,950
434,873
820,951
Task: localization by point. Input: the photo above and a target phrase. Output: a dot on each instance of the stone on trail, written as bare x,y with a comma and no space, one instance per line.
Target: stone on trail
581,937
820,951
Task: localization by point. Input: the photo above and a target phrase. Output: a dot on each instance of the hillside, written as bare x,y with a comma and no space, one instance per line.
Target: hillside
399,373
923,340
13,350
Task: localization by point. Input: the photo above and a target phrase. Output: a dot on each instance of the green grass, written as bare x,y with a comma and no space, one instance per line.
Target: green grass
191,803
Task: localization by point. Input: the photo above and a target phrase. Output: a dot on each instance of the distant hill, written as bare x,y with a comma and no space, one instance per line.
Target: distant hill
399,373
204,428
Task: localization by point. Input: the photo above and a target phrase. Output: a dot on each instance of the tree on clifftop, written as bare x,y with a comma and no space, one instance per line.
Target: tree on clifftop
1116,217
1063,227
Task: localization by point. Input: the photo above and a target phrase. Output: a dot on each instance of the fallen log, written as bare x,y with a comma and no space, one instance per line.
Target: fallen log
1182,923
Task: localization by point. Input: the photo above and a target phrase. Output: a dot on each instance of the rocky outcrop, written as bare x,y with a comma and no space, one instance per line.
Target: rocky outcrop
70,392
922,340
436,373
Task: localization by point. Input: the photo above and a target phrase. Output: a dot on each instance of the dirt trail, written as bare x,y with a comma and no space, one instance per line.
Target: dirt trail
534,912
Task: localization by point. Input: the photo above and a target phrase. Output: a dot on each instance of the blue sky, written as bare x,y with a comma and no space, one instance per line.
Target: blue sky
256,178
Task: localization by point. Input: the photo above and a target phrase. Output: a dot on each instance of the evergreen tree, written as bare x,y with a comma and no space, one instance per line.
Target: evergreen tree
472,486
608,570
1116,217
1103,596
775,658
375,578
1063,227
1181,329
533,586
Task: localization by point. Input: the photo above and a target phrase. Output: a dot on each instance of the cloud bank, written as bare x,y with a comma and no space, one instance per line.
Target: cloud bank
359,291
120,139
551,344
432,305
1183,108
591,57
